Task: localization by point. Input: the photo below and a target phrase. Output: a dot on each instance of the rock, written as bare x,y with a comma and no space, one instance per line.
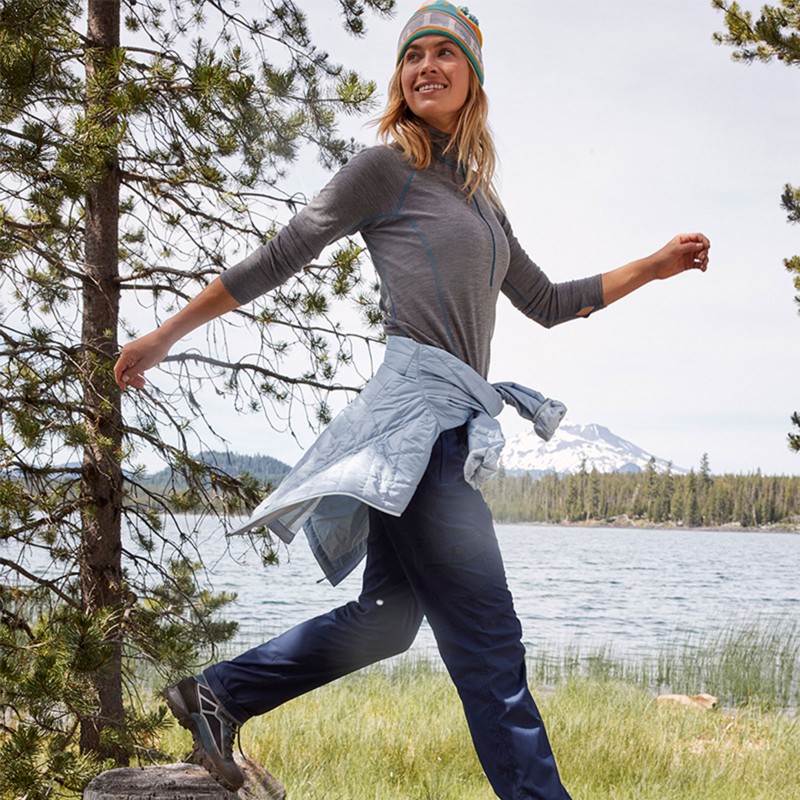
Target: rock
182,782
704,701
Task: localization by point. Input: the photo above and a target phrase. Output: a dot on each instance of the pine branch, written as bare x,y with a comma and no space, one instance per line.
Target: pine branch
140,274
40,582
239,366
15,622
131,178
55,261
29,471
249,316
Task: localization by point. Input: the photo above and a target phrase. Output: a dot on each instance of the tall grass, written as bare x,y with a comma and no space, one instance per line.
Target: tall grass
613,741
399,734
756,664
396,731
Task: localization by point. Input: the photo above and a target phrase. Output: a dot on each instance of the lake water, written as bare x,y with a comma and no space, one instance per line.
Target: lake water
633,590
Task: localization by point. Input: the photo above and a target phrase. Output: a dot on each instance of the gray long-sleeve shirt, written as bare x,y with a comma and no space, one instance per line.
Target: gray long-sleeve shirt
441,261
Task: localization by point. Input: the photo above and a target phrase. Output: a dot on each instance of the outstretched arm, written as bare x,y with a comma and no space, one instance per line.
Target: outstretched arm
149,350
367,185
550,303
684,252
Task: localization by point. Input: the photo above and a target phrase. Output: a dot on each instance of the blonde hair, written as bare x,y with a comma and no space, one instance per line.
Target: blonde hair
471,141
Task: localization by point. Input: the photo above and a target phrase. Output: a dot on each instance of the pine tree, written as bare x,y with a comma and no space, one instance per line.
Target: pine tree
705,470
704,484
595,496
648,496
665,494
774,35
142,145
574,510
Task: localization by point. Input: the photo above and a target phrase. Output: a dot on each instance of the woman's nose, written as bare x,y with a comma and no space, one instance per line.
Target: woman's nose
428,63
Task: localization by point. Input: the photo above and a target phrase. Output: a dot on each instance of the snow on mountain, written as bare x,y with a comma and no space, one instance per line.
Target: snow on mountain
570,445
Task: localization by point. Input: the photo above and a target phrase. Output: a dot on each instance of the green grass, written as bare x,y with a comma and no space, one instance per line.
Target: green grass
397,732
400,735
614,742
758,664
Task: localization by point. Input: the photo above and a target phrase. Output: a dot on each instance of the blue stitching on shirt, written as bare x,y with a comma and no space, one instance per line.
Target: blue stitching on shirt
526,309
387,214
531,313
494,243
385,282
395,212
405,191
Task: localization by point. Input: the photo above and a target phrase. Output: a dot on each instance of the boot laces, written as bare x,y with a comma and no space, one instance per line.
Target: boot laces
239,742
230,735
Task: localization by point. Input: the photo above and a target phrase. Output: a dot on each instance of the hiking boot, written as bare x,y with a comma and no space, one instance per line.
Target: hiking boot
213,729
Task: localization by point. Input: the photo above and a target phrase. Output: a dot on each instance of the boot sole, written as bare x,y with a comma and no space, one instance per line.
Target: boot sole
199,753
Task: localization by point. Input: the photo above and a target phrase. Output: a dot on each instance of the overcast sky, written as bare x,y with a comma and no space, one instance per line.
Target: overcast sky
619,124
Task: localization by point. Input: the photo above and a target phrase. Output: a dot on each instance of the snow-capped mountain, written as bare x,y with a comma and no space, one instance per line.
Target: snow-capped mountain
570,445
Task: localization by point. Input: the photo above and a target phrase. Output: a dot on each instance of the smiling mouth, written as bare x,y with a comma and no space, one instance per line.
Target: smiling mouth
430,87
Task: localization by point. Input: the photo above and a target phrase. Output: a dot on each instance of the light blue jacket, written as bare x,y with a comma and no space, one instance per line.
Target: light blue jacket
375,452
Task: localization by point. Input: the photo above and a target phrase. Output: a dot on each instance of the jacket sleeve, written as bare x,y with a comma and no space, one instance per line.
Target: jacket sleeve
362,188
536,296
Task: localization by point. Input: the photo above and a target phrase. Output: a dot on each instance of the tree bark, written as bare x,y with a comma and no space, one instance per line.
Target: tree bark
102,590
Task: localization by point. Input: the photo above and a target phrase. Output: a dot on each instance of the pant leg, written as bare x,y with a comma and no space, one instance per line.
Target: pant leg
381,623
446,543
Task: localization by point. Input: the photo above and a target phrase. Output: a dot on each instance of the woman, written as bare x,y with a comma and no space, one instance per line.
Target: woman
443,249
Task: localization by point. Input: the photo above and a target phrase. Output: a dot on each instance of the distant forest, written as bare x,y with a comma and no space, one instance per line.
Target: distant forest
697,499
650,497
266,470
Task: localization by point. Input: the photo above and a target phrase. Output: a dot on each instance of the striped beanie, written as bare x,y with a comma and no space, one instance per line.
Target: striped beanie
446,20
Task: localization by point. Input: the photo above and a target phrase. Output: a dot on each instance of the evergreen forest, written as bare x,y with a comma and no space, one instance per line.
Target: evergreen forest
264,470
696,499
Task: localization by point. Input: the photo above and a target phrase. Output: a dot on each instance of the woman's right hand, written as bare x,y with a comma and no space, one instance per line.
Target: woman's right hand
138,356
152,349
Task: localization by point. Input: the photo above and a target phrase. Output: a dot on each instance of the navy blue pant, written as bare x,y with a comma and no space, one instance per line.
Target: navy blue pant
440,559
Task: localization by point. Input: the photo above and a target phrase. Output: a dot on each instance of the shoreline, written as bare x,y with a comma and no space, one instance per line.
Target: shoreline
627,522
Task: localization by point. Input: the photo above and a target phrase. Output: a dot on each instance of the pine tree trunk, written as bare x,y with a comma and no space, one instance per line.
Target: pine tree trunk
101,550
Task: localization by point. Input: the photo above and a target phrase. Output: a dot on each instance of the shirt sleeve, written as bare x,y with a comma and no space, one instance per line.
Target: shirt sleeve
536,296
363,188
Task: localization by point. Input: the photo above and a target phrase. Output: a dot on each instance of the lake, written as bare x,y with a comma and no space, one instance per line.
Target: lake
631,589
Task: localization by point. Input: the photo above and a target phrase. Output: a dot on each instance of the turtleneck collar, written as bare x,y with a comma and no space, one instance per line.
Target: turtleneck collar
439,141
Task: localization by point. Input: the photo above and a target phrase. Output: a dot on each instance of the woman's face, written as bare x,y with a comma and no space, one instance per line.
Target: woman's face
435,80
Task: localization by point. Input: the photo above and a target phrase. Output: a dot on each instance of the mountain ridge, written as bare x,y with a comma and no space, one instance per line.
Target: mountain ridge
573,444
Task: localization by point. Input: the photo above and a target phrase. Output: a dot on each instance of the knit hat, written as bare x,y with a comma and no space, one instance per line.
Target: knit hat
446,20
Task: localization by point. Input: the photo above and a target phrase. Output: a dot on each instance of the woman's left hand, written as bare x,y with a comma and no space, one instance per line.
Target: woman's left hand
683,252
